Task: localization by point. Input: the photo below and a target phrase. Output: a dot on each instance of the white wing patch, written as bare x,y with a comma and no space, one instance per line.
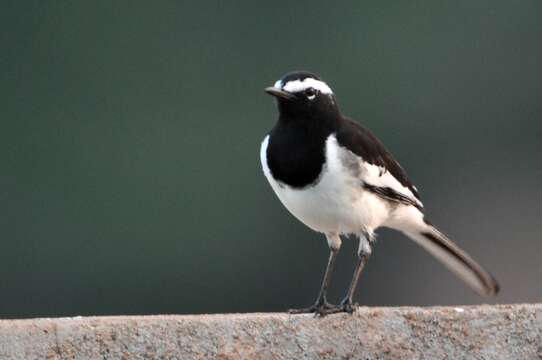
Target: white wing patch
372,174
378,176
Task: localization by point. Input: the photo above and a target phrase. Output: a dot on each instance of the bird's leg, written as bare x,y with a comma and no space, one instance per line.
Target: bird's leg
321,303
363,255
321,306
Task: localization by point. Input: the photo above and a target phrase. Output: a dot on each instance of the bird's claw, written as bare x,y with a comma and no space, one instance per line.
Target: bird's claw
323,308
348,307
320,308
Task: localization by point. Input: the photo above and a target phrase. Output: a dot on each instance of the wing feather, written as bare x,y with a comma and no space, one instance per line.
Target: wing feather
382,174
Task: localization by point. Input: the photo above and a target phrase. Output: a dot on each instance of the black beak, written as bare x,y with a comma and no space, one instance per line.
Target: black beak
278,93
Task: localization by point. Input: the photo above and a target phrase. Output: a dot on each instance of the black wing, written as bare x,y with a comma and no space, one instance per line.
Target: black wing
363,143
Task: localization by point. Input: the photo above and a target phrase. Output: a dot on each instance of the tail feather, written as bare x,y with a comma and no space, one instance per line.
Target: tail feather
455,259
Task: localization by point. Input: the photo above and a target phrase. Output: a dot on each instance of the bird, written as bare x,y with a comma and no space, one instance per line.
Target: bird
337,178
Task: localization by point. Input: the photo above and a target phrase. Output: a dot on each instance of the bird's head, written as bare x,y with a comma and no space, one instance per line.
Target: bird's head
301,93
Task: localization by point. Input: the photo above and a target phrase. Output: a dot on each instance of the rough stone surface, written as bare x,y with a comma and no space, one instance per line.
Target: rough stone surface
472,332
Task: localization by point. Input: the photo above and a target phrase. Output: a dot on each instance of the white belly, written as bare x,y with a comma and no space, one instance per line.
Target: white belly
337,204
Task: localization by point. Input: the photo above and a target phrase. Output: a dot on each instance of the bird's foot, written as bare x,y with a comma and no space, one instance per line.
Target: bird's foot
348,306
323,308
320,308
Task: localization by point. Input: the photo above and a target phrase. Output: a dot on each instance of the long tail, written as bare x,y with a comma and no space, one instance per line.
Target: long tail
454,258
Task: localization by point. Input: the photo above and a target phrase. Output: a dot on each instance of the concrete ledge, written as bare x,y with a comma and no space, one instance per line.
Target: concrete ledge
482,332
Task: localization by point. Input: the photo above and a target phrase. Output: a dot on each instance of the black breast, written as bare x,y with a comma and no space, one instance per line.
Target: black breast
296,153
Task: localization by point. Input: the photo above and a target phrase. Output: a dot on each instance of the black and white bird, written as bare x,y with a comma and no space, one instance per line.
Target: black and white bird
337,178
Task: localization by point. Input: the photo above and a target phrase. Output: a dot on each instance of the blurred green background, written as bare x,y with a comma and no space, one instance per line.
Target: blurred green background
130,180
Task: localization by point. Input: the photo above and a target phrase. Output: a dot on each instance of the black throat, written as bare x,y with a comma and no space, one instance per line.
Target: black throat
296,149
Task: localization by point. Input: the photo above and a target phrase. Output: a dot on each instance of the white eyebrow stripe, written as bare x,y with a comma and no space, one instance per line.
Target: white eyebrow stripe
295,86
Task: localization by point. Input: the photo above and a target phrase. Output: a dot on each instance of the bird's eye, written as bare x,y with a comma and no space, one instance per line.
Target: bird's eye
310,93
